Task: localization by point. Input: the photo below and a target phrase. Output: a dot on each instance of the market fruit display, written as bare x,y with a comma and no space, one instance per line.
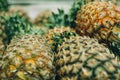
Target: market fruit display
83,58
74,45
27,57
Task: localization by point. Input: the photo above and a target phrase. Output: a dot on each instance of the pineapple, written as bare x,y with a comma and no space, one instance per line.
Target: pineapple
100,20
11,25
54,31
27,57
76,6
83,58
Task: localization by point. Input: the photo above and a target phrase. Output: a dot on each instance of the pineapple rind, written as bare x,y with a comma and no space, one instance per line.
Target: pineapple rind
83,58
98,19
28,58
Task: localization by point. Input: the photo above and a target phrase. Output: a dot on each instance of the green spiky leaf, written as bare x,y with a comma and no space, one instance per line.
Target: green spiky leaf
15,25
65,19
115,48
58,19
73,11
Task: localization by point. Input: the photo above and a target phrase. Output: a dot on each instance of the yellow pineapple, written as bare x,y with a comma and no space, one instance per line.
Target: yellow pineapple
27,57
99,19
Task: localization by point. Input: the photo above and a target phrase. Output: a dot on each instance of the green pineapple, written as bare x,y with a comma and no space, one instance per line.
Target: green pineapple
83,58
27,57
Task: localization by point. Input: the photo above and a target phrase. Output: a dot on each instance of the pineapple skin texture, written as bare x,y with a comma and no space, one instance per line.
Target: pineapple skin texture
83,58
98,19
27,58
2,48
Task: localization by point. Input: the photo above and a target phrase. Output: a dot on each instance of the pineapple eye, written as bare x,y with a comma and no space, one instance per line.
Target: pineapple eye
102,14
111,13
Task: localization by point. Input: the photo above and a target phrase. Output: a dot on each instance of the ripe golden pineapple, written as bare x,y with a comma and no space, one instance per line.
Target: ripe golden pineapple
100,20
27,58
83,58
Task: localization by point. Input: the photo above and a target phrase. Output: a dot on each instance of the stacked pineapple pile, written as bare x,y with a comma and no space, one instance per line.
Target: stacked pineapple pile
79,45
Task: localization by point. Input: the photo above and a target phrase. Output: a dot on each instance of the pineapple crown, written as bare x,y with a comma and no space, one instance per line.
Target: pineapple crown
59,38
37,32
115,33
74,9
115,48
14,25
114,45
58,19
4,5
65,19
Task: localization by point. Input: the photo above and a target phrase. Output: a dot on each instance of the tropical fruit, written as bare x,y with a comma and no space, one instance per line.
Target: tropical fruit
83,58
13,25
100,20
27,57
52,32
